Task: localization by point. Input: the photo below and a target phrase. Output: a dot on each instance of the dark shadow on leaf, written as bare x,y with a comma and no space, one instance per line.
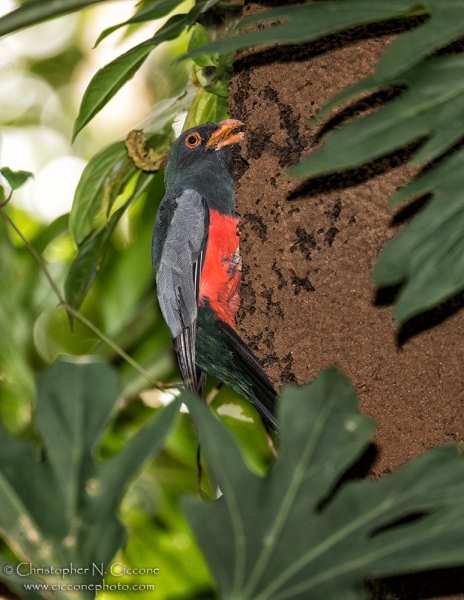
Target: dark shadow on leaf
420,586
456,47
360,470
442,157
346,179
408,520
301,52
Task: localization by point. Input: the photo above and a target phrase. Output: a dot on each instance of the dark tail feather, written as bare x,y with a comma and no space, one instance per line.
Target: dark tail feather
184,344
201,385
263,393
186,358
220,352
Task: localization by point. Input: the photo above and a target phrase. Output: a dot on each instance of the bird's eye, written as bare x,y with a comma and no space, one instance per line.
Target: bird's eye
193,140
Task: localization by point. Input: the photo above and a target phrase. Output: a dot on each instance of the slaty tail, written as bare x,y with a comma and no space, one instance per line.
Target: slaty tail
194,378
222,353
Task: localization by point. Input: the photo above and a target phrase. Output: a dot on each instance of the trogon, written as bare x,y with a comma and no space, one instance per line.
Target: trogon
197,264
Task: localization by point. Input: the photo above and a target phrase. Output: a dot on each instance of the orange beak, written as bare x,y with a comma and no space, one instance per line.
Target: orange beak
225,134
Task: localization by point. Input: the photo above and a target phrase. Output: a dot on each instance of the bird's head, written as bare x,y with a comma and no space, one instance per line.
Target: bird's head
199,158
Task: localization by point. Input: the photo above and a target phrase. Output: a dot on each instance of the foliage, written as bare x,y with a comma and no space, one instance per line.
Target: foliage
113,76
283,531
15,179
93,249
210,102
37,11
111,177
294,533
61,508
110,174
284,535
301,24
430,110
429,253
112,217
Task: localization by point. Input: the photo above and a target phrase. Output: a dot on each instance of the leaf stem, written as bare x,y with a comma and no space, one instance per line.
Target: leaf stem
112,344
71,311
5,202
35,256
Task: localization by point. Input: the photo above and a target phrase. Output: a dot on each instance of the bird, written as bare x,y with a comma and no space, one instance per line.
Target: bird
197,266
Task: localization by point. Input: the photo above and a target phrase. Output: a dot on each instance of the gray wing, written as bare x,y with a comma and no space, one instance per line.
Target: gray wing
178,277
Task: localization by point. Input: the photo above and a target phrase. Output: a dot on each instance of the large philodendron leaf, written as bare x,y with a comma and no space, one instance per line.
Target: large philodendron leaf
446,24
16,583
428,254
432,107
293,534
59,506
301,24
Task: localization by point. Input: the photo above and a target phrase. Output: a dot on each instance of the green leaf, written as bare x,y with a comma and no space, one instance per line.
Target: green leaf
428,254
108,172
289,535
108,80
16,582
198,39
446,24
15,179
36,11
103,179
111,479
92,251
218,87
305,23
206,107
154,10
61,508
89,260
432,107
53,337
50,233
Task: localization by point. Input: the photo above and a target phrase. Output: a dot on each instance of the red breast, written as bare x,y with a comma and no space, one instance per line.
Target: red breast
222,269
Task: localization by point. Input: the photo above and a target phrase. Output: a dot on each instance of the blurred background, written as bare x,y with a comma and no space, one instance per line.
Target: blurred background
44,71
